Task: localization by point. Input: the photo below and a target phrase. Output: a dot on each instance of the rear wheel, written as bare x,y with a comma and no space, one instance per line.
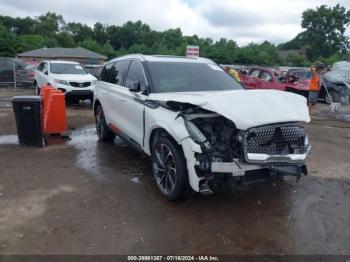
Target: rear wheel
103,132
170,170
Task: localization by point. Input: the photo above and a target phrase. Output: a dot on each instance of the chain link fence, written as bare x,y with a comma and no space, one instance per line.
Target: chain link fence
15,74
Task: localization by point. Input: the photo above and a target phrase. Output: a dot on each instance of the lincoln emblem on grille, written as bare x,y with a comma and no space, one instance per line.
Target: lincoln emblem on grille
81,84
279,140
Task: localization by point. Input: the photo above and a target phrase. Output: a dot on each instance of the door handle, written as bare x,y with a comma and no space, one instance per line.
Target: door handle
103,92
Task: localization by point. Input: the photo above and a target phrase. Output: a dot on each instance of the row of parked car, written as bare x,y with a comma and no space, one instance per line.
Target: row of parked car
24,74
335,84
77,81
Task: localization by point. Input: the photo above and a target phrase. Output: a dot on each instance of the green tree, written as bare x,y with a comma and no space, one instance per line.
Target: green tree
64,39
19,26
325,30
91,45
30,42
78,31
9,42
99,33
48,24
296,60
107,50
171,38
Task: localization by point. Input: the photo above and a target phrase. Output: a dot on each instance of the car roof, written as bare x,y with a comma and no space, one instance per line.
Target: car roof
164,58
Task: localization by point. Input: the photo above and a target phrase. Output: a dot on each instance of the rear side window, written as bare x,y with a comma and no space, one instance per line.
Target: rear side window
45,68
255,73
135,73
40,67
106,71
118,72
266,76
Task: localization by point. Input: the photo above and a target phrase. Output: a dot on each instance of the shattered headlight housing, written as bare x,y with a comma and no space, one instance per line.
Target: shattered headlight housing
196,135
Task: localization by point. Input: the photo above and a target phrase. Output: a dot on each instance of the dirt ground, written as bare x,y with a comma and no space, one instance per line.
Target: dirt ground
80,196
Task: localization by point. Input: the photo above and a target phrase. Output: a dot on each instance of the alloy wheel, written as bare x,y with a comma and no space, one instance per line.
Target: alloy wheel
164,168
99,121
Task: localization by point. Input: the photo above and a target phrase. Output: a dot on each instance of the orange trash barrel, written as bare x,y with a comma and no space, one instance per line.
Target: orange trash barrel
54,112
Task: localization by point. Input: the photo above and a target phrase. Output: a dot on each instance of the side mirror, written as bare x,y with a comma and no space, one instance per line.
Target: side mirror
46,72
134,87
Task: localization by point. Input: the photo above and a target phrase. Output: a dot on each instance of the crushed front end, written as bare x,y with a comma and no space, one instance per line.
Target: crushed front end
245,156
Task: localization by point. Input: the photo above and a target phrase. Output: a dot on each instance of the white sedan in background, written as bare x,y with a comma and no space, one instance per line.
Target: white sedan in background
69,77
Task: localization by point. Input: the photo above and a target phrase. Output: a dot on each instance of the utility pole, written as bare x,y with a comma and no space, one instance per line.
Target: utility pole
14,73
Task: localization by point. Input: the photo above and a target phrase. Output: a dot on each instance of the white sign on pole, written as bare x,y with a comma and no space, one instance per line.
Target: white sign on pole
192,51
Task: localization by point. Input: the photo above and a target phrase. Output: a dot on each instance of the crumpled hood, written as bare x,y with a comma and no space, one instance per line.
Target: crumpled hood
246,108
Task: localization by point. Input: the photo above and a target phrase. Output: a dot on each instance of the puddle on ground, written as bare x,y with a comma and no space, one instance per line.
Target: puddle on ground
106,161
56,140
9,140
135,180
5,103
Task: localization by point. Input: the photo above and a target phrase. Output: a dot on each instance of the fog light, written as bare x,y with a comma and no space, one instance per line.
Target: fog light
239,138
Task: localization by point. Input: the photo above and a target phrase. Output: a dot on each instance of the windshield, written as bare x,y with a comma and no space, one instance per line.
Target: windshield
62,68
341,67
334,77
186,77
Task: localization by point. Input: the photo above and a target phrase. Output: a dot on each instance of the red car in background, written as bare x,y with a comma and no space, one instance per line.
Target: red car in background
267,78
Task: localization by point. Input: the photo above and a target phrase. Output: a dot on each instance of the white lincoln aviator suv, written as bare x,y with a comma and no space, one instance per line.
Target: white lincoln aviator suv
199,126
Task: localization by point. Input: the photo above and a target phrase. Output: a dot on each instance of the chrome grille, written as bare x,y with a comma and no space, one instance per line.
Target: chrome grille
275,140
80,84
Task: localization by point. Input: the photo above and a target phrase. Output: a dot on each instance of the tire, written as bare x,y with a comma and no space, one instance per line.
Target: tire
75,100
37,89
170,169
334,96
103,132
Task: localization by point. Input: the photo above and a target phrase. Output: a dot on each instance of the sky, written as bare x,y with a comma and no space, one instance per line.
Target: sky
243,21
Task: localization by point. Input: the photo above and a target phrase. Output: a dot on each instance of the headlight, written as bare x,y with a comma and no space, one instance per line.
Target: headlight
62,82
93,82
306,141
196,135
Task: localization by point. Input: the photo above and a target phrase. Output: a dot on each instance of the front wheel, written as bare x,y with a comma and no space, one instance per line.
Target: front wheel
102,130
170,170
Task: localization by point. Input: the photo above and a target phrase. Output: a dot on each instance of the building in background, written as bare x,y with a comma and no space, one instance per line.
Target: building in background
78,54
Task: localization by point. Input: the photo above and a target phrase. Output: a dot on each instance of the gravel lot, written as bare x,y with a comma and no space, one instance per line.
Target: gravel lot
79,196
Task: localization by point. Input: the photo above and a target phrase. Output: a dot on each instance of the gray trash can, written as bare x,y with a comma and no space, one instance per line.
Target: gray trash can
27,111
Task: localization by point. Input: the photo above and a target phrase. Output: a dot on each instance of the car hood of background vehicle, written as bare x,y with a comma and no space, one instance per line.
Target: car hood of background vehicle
246,108
74,77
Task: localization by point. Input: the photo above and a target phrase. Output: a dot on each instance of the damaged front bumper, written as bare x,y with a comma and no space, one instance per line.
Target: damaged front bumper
239,168
242,173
